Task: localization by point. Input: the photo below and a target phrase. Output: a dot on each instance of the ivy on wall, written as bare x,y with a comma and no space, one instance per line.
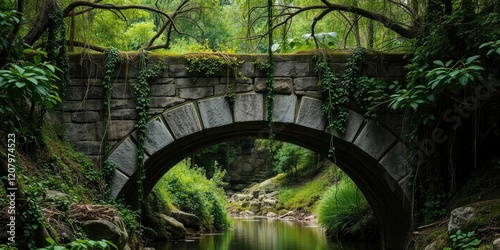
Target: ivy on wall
142,89
107,167
365,92
210,65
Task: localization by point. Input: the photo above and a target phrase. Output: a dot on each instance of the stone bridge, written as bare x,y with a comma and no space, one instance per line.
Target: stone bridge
190,112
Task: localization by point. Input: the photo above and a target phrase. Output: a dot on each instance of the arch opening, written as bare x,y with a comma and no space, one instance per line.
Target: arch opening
383,192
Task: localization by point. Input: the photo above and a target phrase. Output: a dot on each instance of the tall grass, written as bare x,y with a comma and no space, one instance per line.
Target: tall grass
189,190
344,212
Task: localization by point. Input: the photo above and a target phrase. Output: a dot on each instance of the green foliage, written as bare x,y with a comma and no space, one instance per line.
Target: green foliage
494,47
8,20
463,241
27,83
210,65
447,78
304,196
337,95
190,191
435,208
8,247
291,159
222,154
80,244
141,88
32,217
109,69
344,211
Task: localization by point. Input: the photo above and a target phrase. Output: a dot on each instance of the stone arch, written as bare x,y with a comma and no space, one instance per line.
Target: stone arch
372,155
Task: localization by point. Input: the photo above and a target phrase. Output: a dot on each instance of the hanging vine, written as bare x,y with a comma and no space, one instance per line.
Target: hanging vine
107,167
270,72
338,94
141,88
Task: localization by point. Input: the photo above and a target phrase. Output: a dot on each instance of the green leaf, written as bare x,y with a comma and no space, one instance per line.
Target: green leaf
439,62
20,84
471,59
463,80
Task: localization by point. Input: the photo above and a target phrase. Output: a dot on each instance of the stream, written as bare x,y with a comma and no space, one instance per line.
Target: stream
265,234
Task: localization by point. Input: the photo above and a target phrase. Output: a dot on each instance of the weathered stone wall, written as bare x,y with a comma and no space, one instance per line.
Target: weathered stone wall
248,168
83,108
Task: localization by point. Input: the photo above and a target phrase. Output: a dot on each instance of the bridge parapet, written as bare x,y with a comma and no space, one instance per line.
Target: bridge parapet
294,75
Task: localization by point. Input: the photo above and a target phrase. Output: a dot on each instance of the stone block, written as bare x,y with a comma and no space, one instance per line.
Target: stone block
85,82
165,102
123,104
157,136
162,90
291,69
247,69
249,107
194,82
281,85
125,157
284,108
164,80
118,129
316,94
310,114
196,93
88,147
395,162
215,112
238,88
81,131
183,120
122,90
177,70
374,140
352,127
123,114
231,80
305,84
78,93
85,116
88,105
79,71
118,180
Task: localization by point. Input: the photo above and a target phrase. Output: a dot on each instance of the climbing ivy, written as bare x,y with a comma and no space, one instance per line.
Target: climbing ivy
270,73
107,166
141,88
209,65
365,92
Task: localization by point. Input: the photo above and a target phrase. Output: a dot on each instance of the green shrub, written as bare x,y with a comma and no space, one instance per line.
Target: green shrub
343,211
463,241
189,190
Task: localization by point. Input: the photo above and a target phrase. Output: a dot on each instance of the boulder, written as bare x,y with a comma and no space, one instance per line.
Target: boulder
54,195
460,218
174,227
241,197
271,194
496,244
187,219
270,203
288,214
104,229
271,214
163,228
247,213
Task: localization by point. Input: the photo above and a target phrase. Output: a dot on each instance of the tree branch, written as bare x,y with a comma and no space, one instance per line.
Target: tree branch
35,33
389,23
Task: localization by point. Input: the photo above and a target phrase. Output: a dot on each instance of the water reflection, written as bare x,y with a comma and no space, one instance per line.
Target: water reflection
265,234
